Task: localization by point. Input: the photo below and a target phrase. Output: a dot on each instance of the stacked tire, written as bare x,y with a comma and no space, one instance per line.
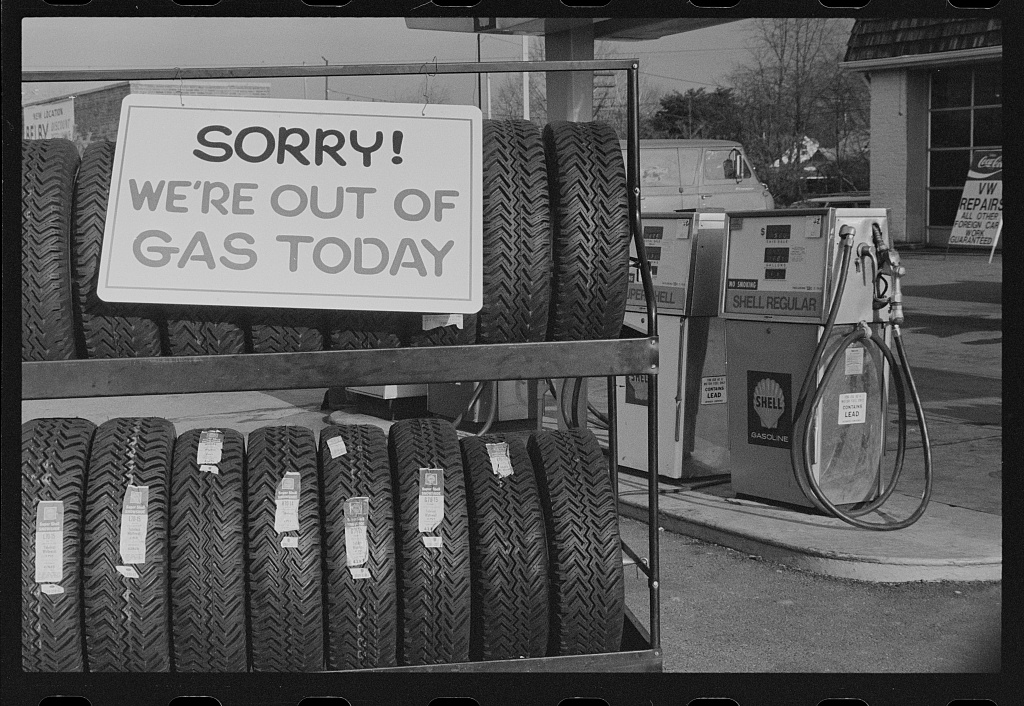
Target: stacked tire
48,169
555,256
142,551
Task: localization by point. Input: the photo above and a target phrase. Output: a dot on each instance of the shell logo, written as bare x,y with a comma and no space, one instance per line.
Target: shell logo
769,402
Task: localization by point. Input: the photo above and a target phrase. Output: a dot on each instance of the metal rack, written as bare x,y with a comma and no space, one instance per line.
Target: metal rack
641,647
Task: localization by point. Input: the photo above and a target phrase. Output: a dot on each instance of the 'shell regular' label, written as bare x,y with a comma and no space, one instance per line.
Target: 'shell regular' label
775,304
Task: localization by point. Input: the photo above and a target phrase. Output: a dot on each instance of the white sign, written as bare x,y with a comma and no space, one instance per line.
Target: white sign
712,390
49,120
852,408
979,215
294,203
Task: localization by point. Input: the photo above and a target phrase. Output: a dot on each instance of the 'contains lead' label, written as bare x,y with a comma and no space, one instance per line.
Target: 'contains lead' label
431,505
286,503
49,541
134,523
853,408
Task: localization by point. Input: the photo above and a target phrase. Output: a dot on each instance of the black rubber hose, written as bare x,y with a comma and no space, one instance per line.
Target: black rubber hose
903,380
472,401
492,411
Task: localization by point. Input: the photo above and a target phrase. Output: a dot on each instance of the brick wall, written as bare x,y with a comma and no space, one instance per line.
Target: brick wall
202,88
97,114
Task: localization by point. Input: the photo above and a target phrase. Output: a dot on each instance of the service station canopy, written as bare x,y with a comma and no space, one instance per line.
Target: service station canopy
608,28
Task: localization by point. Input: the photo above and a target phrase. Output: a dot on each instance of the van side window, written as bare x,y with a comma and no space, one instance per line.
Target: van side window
689,161
658,168
719,167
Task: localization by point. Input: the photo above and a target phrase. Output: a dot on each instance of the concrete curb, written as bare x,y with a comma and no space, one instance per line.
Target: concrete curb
720,526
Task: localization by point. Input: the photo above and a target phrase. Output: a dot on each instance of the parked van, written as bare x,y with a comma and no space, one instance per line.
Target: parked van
678,175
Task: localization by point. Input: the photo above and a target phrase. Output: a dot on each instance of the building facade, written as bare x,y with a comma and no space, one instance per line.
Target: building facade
936,98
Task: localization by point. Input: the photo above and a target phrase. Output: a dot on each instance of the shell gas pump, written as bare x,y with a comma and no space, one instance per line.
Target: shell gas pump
684,250
812,304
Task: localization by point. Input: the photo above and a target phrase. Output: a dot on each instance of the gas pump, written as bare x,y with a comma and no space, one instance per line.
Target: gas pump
812,298
685,255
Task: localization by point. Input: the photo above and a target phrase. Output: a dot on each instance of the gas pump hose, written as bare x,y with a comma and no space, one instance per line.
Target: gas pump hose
811,395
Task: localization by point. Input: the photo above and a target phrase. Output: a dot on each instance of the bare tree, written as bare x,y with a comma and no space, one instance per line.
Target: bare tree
788,89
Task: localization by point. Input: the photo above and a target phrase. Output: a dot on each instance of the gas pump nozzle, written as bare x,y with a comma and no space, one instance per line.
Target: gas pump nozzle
882,250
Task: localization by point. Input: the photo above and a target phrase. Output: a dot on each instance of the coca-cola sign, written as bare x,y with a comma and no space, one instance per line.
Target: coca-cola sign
987,165
988,162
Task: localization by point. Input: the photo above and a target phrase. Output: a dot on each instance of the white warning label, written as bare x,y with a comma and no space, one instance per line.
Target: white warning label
852,408
854,360
712,390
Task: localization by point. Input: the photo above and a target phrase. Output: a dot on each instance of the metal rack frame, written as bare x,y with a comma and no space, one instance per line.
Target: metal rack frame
512,361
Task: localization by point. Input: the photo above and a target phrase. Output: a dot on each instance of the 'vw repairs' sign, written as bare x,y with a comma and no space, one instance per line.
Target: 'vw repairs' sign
295,203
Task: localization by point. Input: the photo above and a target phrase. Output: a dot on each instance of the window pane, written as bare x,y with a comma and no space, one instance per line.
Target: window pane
718,166
988,85
942,205
689,160
951,88
951,128
988,127
659,168
949,168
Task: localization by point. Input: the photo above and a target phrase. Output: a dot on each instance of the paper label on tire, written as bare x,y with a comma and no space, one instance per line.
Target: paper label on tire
52,589
134,523
128,572
854,364
433,542
432,321
290,542
359,572
431,507
211,446
501,463
49,541
336,445
286,503
357,548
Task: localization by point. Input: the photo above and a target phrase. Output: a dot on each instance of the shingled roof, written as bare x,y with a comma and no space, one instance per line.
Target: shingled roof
888,38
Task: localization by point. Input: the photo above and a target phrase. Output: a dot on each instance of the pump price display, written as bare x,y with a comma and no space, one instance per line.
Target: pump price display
294,203
769,275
